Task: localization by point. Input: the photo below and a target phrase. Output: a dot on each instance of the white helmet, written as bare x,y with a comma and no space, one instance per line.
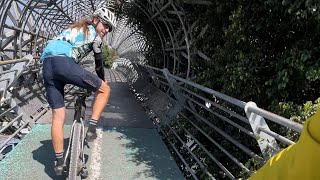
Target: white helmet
106,16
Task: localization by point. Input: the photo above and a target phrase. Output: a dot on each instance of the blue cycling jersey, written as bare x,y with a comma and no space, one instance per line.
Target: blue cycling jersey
71,43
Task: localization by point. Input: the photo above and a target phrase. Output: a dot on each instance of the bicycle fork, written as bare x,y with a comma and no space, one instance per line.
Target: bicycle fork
79,116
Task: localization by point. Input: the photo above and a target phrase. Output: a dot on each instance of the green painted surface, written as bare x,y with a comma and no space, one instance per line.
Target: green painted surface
33,157
135,153
117,153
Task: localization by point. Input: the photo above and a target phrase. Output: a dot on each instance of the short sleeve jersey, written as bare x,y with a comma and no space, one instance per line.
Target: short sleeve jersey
71,43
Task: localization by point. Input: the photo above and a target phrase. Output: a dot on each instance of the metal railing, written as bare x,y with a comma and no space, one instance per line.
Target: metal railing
206,124
12,115
210,132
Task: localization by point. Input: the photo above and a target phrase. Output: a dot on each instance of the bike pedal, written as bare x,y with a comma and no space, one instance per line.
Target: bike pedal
59,170
84,172
65,169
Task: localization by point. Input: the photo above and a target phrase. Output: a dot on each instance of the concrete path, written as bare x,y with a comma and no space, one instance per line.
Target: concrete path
128,144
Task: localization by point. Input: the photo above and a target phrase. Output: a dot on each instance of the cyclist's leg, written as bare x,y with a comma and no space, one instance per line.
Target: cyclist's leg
73,73
103,94
57,129
55,95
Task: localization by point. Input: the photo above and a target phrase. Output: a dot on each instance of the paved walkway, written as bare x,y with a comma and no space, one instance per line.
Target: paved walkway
128,144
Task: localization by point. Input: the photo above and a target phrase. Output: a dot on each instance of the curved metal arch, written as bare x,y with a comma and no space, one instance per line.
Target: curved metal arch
169,32
39,29
2,19
132,44
4,14
15,28
158,30
118,33
186,38
121,33
87,10
24,23
77,4
40,26
125,35
137,43
20,24
61,10
125,39
44,18
30,13
64,6
122,29
186,35
174,50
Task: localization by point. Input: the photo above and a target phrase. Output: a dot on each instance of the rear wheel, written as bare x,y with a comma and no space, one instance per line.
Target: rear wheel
75,165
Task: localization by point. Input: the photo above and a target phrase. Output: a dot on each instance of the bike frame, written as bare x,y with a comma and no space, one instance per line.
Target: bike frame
78,118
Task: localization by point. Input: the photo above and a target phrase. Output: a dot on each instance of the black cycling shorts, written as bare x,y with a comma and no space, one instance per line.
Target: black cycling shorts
59,71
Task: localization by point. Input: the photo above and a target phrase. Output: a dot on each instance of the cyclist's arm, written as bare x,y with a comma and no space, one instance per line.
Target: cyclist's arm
98,57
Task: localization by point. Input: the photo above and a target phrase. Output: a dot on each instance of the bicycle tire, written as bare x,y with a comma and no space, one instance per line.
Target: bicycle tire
75,153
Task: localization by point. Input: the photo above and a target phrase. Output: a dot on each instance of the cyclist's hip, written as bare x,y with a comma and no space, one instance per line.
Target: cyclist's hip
64,70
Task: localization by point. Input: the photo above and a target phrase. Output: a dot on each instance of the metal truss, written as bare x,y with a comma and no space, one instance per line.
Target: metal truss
187,114
127,41
176,36
26,26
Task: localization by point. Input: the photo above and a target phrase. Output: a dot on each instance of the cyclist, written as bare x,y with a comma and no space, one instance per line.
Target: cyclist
60,58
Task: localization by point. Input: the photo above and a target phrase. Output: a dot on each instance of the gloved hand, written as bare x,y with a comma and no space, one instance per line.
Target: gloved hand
98,57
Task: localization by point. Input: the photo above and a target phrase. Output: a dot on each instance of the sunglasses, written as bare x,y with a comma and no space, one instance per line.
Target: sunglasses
107,25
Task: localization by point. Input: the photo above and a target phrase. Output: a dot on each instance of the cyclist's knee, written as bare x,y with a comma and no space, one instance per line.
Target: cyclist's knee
104,88
58,114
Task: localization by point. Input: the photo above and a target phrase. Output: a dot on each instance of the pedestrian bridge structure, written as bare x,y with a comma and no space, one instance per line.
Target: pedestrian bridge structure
158,123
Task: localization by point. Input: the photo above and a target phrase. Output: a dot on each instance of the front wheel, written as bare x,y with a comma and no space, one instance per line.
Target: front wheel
75,156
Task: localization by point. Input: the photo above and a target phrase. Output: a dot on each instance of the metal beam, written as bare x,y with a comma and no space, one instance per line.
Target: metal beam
200,2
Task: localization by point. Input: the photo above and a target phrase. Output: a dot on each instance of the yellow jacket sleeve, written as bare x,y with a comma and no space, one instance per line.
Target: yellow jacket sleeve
298,161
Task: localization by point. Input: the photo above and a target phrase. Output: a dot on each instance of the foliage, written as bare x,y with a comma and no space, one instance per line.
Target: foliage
264,48
136,17
109,56
266,51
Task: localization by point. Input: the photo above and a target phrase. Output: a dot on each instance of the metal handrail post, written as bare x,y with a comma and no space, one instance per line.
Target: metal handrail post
264,140
178,106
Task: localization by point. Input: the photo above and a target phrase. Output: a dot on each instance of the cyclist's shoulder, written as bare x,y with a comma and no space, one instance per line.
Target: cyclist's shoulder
92,34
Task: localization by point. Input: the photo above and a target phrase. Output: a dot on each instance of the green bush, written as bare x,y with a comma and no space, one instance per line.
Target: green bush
262,51
266,51
109,56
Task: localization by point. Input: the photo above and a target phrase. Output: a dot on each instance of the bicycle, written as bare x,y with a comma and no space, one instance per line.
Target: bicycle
75,164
